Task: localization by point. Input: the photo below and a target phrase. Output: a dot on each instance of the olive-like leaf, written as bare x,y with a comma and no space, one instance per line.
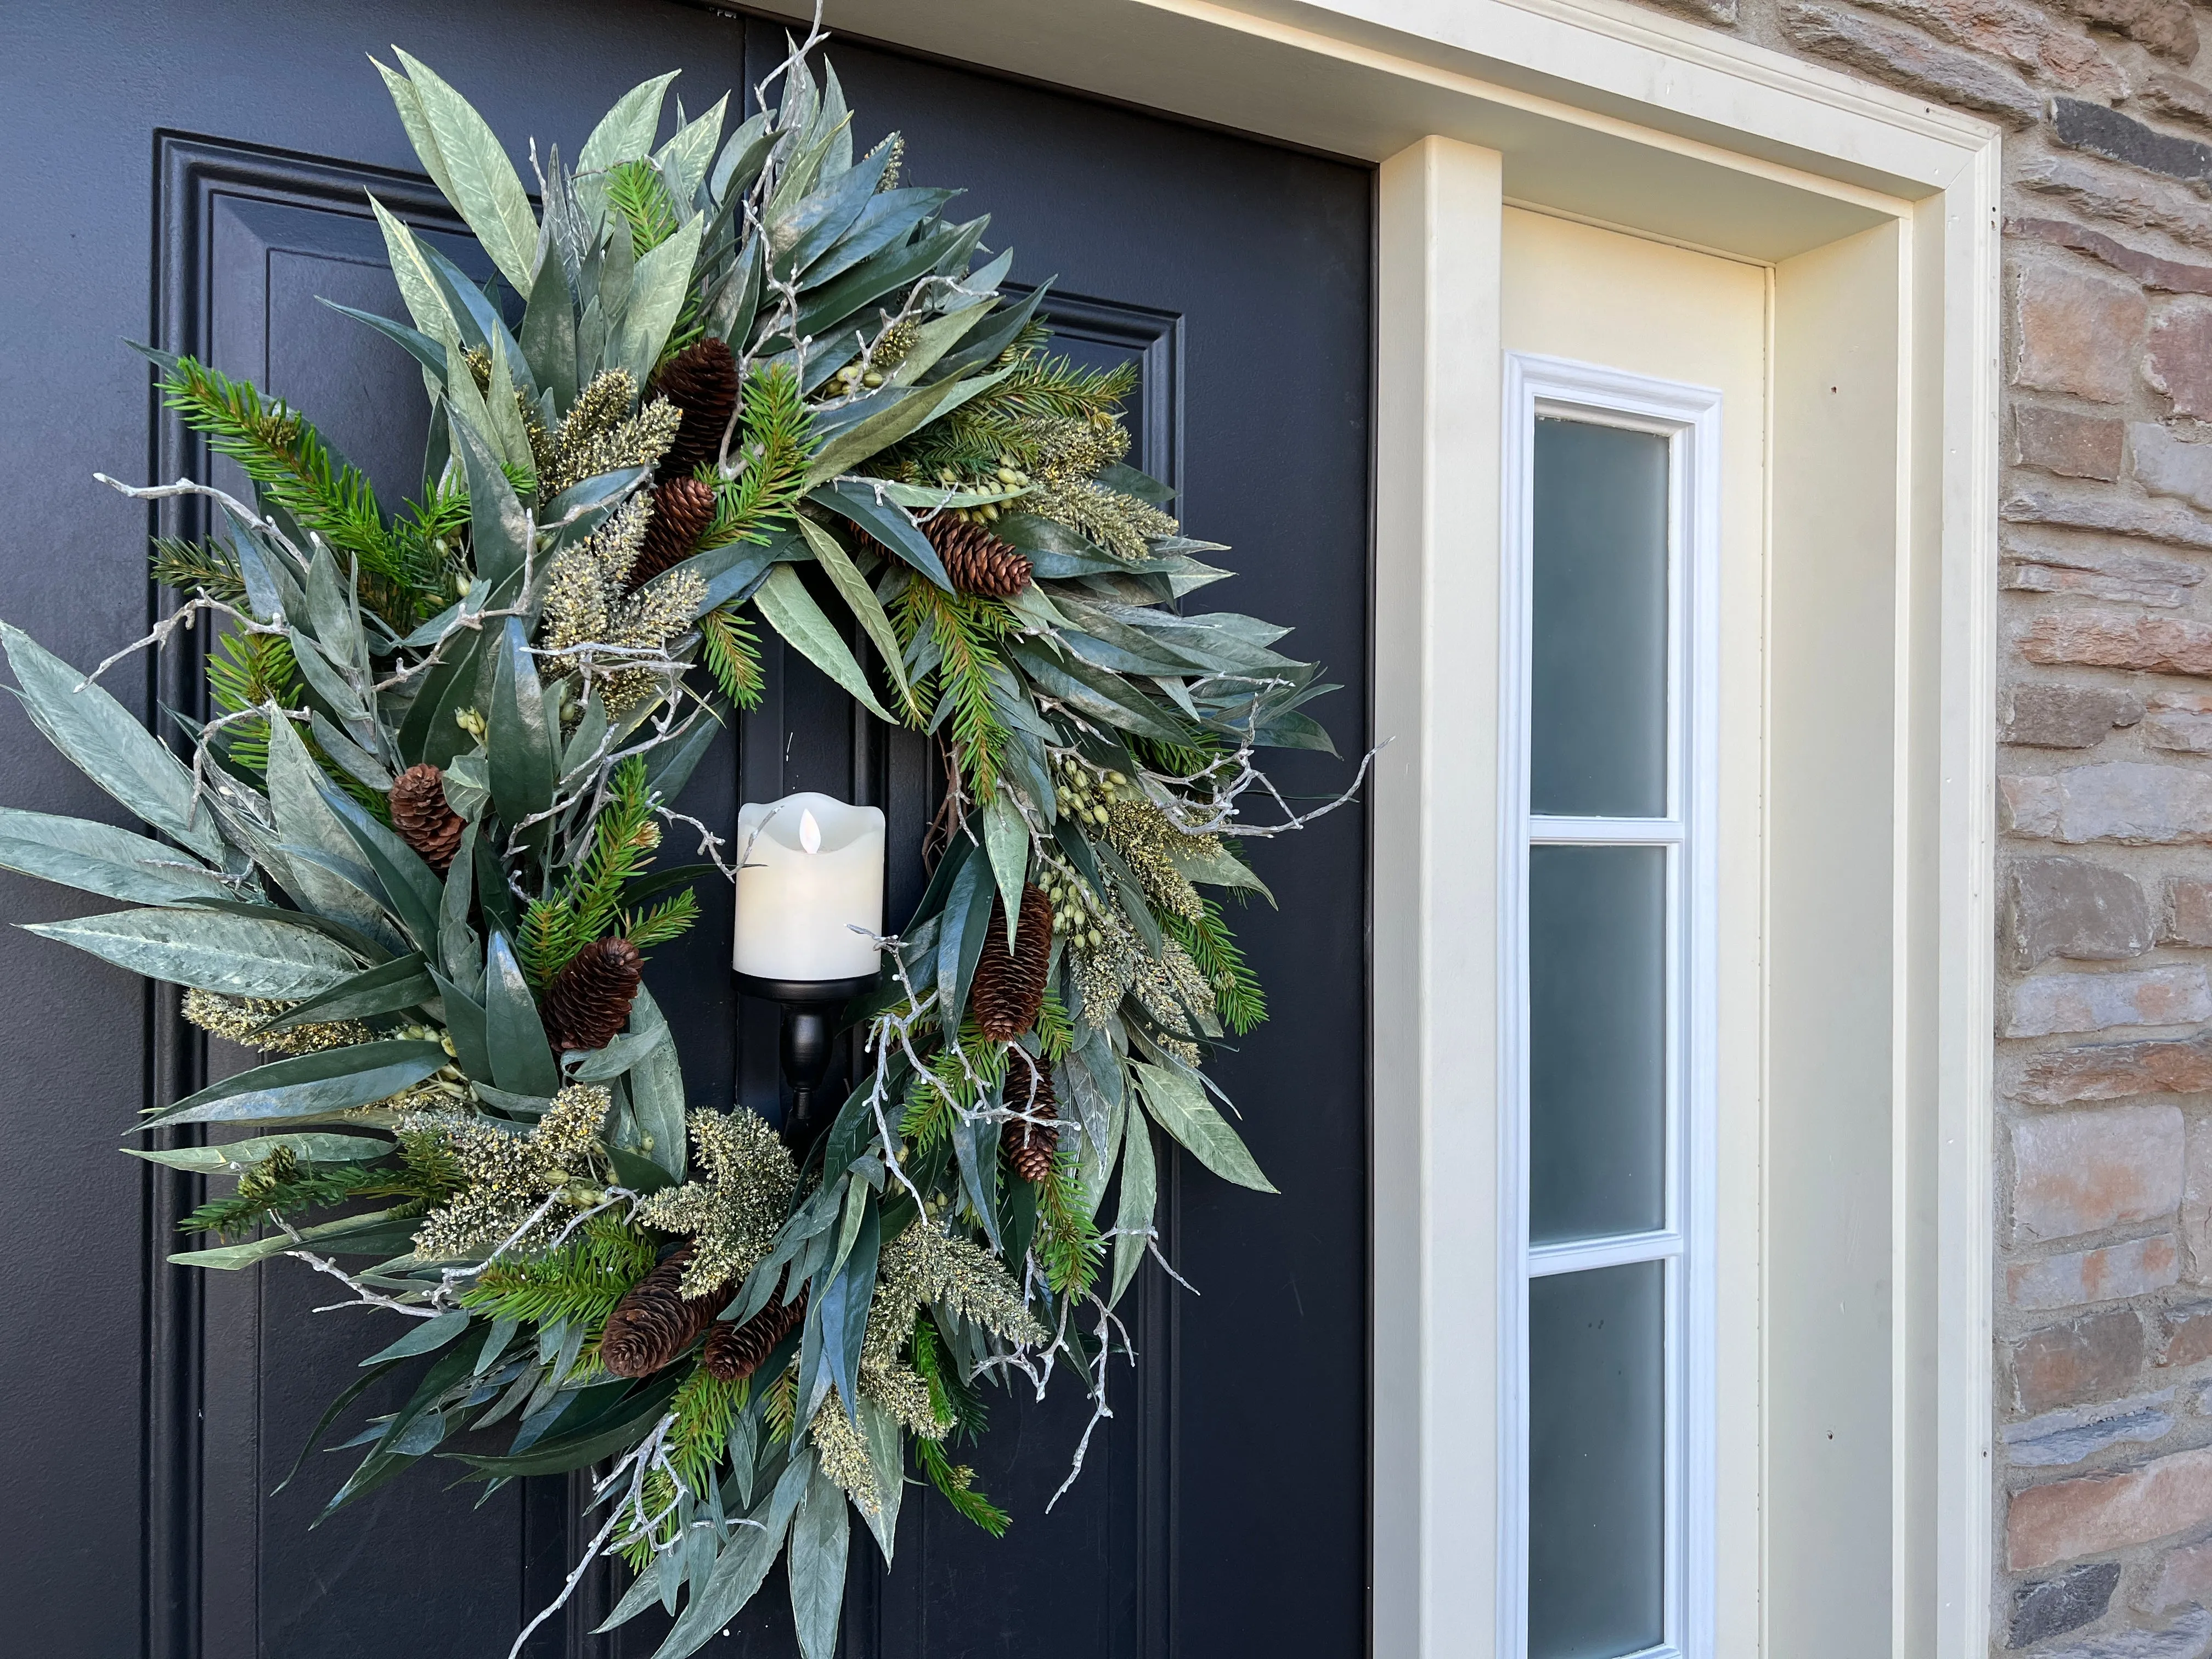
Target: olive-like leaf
98,858
307,1086
1178,1105
238,956
513,1034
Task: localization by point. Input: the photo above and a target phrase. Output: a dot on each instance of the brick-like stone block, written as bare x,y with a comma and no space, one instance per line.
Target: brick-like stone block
2098,1356
2065,441
2183,1639
2104,130
2132,802
2153,270
2180,720
2154,644
2092,1002
2114,515
2179,361
1905,57
2071,907
2136,1269
2065,716
2076,332
2164,465
2051,1607
2093,1514
2121,195
2188,913
2037,562
2196,1203
2112,1071
2166,27
2058,1438
2176,96
2185,1335
2184,1577
2082,1172
2022,34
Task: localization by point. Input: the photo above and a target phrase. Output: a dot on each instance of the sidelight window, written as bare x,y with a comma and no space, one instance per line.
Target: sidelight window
1611,495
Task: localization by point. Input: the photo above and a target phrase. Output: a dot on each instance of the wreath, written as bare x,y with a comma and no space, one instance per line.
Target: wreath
410,852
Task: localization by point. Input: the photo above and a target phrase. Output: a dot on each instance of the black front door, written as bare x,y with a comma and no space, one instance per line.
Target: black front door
194,174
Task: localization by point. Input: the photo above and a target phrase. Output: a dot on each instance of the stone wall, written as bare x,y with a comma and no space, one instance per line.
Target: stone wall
2105,706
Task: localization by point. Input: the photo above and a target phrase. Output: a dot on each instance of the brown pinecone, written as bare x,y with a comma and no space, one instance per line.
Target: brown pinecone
1009,989
655,1322
425,821
588,1001
977,561
702,380
733,1351
682,510
1029,1148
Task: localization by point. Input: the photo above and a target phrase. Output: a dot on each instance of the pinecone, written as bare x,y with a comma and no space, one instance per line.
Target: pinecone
425,821
1028,1148
589,999
977,561
1009,989
736,1351
655,1322
702,380
682,510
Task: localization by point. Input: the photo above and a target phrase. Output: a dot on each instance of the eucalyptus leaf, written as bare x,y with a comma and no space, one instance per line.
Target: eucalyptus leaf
330,1236
419,290
239,1156
897,416
427,1337
499,529
403,982
109,746
1007,839
309,1085
887,1462
853,587
98,858
1178,1105
236,955
820,1544
656,1084
657,286
524,732
738,1574
513,1034
625,133
1132,1220
790,609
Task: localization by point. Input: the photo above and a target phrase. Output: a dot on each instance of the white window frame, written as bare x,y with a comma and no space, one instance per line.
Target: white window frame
1689,418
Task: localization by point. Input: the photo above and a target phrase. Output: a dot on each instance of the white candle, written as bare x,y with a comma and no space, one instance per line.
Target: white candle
811,870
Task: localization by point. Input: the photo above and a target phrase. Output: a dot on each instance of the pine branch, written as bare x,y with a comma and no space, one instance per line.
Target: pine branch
284,1184
955,1080
1067,1244
287,457
1238,998
252,671
580,1282
966,629
201,567
1014,421
954,1403
775,441
732,649
637,190
665,921
625,839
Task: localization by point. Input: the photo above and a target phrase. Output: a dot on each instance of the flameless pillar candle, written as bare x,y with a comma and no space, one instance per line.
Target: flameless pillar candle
812,870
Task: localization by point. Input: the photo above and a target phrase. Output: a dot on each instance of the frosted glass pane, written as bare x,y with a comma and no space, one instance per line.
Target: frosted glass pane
1598,744
1597,1040
1596,1461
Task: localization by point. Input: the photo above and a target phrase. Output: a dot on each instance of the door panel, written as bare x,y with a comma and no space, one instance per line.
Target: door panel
1223,1505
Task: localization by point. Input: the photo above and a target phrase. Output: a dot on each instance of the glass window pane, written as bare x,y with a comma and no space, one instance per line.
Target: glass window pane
1598,747
1597,1042
1596,1453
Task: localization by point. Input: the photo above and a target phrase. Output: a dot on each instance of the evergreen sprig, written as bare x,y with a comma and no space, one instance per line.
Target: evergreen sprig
732,650
1238,998
637,190
1068,1244
954,1080
284,1184
580,1282
296,470
252,671
957,1405
201,567
776,442
589,903
966,630
1014,421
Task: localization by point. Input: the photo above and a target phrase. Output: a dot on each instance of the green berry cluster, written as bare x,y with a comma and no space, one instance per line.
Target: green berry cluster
1078,915
1086,792
1008,476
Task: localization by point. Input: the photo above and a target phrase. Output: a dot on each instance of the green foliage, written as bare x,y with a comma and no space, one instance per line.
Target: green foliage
1017,420
284,1184
637,190
1237,997
732,649
776,439
780,1413
955,1079
252,671
966,628
201,567
589,903
287,457
1056,1031
580,1282
663,922
1067,1244
953,1402
704,1407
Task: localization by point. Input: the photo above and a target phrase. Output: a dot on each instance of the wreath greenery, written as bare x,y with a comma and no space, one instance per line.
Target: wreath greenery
409,854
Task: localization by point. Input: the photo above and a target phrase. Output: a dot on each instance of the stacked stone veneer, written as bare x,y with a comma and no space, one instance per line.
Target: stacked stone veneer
2103,1464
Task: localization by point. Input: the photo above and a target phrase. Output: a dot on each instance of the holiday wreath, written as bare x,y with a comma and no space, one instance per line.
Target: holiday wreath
410,852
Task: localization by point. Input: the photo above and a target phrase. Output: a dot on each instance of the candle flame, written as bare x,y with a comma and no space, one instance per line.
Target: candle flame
810,832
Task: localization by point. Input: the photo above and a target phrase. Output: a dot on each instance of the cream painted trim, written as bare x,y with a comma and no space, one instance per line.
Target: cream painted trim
1599,109
1437,818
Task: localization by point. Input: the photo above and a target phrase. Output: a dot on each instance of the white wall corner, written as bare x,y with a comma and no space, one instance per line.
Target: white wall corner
1435,823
